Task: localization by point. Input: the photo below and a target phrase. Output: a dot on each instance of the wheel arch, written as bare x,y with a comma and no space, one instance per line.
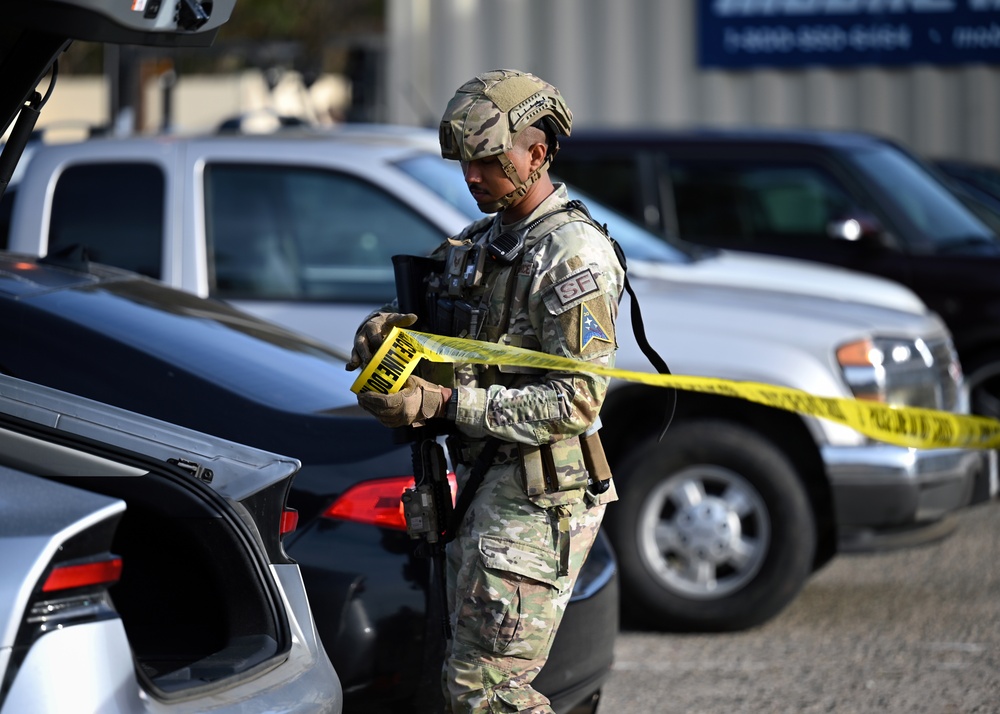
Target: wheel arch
633,414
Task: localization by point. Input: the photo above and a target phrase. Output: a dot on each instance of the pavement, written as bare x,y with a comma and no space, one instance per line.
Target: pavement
913,630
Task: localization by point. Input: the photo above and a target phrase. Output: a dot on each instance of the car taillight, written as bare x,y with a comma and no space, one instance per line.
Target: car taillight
377,502
74,587
80,575
74,591
289,521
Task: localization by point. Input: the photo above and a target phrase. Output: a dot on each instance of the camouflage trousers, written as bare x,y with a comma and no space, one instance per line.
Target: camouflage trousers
506,595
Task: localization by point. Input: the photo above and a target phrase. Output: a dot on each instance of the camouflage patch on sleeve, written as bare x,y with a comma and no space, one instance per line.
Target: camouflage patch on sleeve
589,328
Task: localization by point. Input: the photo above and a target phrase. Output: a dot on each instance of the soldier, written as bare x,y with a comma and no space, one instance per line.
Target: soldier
541,275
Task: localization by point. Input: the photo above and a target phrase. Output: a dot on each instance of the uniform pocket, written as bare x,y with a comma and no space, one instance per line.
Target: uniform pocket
554,474
509,608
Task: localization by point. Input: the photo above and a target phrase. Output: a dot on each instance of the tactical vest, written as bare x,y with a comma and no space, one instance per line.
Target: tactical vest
480,283
472,287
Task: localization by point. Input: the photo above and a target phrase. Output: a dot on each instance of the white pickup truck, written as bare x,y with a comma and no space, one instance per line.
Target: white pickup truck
719,524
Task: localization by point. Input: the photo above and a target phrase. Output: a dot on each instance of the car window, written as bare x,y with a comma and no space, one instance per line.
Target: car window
747,203
114,211
614,178
927,202
296,233
985,179
636,242
444,178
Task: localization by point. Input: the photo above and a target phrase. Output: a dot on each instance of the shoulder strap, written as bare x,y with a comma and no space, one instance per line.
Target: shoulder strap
638,328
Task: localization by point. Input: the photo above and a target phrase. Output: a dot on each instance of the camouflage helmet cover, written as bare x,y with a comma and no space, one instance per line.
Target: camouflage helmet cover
488,112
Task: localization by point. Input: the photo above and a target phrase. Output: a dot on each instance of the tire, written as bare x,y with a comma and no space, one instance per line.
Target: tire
713,529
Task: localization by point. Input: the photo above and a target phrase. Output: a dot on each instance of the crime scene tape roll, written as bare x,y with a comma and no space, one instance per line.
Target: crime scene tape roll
903,426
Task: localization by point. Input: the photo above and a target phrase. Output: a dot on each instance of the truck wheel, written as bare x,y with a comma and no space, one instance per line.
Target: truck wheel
713,529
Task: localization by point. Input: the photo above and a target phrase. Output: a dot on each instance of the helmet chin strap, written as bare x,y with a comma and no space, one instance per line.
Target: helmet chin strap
520,187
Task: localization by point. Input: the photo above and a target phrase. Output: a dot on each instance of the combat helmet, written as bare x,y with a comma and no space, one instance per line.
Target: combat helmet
488,112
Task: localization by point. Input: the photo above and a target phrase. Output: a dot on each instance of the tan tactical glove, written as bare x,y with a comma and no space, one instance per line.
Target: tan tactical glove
371,334
418,401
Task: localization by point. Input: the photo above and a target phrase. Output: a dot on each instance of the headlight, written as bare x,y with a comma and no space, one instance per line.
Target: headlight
904,372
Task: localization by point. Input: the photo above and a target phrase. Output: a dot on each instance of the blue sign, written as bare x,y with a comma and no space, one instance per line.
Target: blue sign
796,33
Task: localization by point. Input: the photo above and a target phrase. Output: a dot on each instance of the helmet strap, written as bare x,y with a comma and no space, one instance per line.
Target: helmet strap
520,187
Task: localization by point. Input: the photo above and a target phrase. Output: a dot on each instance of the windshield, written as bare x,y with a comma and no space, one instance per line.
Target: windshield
928,204
444,178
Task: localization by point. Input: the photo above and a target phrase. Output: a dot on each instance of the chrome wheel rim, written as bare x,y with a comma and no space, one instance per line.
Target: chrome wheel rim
704,532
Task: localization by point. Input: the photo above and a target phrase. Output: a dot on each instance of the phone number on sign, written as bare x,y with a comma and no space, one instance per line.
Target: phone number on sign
817,38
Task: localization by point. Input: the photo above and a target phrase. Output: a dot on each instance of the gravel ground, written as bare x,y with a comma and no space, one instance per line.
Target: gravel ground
914,630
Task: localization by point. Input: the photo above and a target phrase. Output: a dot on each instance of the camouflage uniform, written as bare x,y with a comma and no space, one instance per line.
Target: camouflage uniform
533,520
524,539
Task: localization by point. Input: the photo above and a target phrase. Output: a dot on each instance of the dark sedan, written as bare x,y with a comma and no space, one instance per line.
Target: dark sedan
125,340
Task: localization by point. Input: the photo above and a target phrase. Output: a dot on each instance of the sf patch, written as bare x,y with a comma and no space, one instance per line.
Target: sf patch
576,287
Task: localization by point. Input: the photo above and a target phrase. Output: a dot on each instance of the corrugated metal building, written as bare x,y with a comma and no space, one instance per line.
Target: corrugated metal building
925,72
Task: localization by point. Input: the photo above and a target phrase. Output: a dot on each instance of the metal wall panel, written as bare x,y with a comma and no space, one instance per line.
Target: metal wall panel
634,63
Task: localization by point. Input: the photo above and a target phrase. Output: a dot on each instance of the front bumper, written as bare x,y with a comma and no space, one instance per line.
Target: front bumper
885,494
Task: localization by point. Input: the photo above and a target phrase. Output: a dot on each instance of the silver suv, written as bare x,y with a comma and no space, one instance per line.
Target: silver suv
720,523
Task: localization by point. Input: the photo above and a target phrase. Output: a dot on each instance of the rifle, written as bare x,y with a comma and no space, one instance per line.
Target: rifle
427,506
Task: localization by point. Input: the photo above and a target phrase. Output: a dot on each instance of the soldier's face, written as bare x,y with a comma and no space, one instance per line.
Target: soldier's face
487,180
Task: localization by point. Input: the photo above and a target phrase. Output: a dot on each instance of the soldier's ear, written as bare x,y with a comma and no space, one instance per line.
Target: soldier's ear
538,152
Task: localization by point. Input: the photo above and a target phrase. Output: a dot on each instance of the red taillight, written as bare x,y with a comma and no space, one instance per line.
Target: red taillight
289,521
65,577
378,502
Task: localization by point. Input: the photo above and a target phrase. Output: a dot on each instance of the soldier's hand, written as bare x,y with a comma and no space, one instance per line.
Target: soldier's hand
373,332
418,401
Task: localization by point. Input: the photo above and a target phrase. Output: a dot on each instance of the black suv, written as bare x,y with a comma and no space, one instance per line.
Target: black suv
849,199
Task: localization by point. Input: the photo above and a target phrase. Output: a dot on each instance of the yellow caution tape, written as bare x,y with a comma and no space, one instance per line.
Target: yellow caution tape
904,426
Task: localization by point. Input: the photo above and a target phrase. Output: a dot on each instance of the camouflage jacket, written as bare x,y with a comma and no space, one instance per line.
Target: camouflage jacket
561,297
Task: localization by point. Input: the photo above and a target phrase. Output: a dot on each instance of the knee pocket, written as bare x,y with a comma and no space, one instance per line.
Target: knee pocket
509,608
